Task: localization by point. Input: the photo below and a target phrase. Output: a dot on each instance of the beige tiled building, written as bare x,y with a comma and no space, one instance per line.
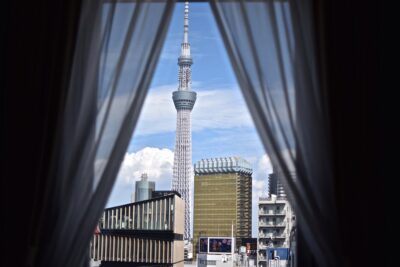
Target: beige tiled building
148,232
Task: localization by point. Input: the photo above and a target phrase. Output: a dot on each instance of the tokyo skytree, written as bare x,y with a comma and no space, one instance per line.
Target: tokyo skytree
184,99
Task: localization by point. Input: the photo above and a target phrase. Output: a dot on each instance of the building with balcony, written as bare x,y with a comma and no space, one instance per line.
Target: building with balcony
144,233
222,198
275,221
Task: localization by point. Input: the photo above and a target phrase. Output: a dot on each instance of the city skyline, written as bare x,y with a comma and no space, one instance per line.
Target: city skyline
222,125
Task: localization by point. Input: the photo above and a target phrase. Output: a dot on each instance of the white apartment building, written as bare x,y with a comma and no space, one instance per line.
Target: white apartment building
275,221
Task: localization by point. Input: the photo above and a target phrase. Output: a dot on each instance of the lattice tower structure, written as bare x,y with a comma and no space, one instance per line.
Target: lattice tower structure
184,99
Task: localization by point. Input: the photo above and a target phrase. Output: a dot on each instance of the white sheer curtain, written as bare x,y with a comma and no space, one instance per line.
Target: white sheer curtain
116,52
270,45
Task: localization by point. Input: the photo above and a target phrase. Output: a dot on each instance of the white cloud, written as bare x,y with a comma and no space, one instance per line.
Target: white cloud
156,162
264,164
214,109
259,185
158,112
220,109
262,168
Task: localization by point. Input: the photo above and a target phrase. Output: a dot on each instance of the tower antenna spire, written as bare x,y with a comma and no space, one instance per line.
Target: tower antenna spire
186,23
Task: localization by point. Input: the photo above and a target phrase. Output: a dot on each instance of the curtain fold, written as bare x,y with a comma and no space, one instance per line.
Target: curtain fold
271,48
116,52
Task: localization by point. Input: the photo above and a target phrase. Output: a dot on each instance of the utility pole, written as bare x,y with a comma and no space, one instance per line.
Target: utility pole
232,244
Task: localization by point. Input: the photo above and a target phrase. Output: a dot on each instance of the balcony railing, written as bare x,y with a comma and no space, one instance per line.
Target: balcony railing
262,246
272,213
270,198
271,224
272,236
261,257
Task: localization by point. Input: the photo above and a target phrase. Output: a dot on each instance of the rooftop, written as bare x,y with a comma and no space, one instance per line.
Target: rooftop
223,165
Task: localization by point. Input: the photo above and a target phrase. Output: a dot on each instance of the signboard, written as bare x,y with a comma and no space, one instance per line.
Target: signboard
222,245
216,245
203,245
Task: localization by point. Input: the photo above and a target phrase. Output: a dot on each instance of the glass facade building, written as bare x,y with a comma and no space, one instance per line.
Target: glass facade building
144,188
222,197
275,184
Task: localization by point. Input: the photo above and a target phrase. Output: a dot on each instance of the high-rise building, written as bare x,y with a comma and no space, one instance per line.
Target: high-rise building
275,185
222,198
144,188
184,99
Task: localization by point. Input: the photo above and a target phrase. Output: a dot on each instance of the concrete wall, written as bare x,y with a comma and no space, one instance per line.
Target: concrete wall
178,254
179,219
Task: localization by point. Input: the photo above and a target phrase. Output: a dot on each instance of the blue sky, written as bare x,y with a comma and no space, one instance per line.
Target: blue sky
221,123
